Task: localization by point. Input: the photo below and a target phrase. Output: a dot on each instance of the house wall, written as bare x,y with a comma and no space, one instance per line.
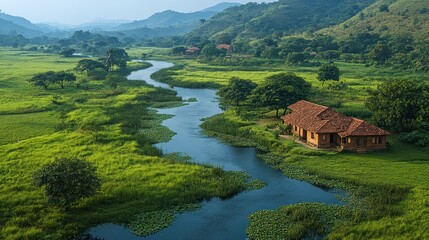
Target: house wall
368,144
327,142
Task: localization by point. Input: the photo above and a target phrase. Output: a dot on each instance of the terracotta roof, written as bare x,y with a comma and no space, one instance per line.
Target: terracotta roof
321,119
224,46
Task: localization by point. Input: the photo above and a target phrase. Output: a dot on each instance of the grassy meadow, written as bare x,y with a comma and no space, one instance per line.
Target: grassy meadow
111,128
389,190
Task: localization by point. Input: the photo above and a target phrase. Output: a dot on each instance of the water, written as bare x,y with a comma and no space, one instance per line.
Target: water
217,219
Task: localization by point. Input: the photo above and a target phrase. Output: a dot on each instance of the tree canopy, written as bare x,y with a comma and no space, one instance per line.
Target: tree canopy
67,181
88,65
47,78
328,72
400,105
237,91
116,57
280,90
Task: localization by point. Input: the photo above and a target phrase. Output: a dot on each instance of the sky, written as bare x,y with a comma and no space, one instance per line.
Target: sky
74,12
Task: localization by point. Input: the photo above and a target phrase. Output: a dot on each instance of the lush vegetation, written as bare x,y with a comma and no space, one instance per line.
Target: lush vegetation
112,128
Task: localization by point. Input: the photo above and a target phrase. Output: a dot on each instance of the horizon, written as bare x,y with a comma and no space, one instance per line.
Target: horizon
50,12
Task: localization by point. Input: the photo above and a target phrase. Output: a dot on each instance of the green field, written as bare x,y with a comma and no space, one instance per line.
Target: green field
389,190
112,128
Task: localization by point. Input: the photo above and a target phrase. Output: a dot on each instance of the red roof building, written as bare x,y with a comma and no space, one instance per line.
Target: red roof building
323,127
227,47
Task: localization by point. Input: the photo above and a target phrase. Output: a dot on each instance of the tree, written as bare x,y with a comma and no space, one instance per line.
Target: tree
67,52
46,78
88,65
400,105
112,80
67,181
328,72
178,50
237,91
116,57
62,77
43,79
380,54
280,90
211,51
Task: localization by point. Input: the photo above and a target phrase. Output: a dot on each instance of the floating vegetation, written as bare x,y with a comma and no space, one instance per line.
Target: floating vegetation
151,222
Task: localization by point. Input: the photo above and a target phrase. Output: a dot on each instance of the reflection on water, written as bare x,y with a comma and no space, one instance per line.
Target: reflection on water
217,219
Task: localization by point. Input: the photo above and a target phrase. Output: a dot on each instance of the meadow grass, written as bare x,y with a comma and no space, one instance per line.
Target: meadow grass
389,190
112,128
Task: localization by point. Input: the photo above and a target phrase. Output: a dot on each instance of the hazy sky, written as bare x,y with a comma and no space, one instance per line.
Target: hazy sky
82,11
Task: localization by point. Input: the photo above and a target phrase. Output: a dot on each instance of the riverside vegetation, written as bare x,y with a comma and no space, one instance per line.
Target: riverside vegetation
112,128
388,190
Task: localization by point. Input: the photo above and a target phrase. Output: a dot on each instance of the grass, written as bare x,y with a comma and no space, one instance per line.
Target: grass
388,189
112,128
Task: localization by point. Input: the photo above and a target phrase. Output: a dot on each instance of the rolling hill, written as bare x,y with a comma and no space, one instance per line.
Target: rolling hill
169,18
387,17
19,25
284,17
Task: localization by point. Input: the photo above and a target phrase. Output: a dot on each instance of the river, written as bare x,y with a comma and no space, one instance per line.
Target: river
216,219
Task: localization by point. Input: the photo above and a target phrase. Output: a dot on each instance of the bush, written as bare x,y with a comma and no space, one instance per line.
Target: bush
419,138
67,181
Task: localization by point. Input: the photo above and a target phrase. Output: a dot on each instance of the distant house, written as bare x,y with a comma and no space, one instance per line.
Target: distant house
323,127
193,51
227,47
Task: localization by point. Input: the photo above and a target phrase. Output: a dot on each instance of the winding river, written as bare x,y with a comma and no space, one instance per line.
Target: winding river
216,219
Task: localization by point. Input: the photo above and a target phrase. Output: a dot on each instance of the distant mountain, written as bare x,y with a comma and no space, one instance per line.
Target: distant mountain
387,17
221,7
25,27
10,28
182,22
285,17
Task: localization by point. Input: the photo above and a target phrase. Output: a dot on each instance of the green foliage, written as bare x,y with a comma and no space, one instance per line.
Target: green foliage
88,65
113,80
178,50
418,137
328,72
97,74
116,57
400,105
66,181
380,53
46,78
280,91
237,91
67,52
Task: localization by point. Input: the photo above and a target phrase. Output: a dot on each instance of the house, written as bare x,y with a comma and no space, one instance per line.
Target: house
322,127
229,49
193,51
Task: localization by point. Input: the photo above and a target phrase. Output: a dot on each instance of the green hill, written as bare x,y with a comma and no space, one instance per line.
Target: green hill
284,17
387,17
8,27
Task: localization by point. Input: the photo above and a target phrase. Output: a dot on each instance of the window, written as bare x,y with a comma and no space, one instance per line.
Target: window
344,140
374,140
296,129
349,140
324,137
380,140
312,135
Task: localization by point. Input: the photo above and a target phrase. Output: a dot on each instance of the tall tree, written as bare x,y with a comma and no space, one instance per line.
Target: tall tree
328,72
116,57
400,105
380,53
237,91
280,90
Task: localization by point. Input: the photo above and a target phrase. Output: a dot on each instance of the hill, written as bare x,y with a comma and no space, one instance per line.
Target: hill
8,27
387,17
30,28
284,17
183,22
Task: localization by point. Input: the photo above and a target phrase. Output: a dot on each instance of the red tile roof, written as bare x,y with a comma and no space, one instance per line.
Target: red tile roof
320,119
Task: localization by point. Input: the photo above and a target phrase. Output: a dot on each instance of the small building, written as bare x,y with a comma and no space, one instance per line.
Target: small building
322,127
229,49
193,51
